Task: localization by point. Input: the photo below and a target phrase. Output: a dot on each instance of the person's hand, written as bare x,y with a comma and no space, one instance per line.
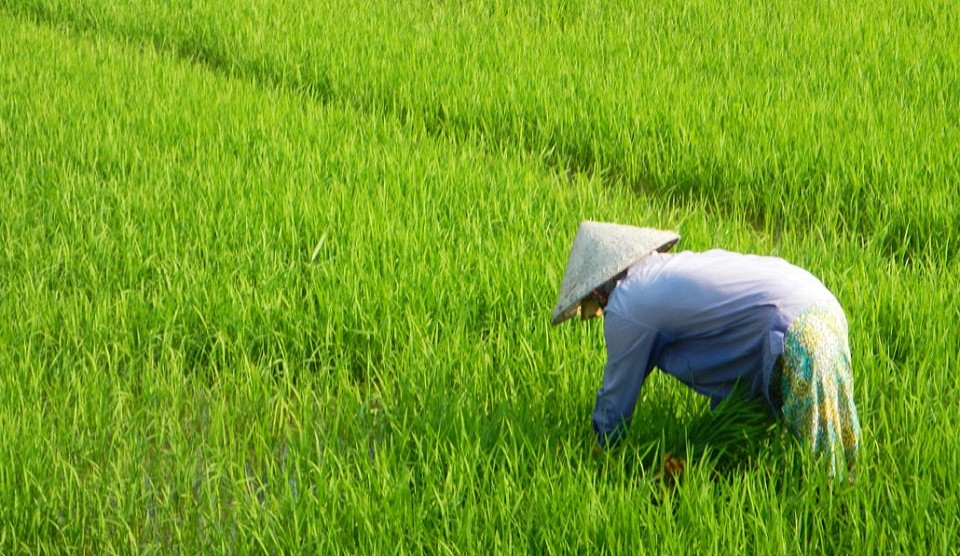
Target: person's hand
672,469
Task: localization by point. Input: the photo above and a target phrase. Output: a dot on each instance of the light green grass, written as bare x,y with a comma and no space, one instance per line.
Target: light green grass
280,279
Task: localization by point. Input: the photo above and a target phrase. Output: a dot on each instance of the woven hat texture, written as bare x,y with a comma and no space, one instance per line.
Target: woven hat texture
600,251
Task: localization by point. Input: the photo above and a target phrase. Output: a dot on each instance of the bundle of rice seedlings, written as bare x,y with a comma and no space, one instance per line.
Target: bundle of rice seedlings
732,431
724,437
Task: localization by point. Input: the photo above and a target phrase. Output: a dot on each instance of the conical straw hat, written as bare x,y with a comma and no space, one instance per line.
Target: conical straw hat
601,251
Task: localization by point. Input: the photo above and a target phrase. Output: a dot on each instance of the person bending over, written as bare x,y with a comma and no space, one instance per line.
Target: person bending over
715,320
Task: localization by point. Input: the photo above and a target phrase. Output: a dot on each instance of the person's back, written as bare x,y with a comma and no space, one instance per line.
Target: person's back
694,286
713,320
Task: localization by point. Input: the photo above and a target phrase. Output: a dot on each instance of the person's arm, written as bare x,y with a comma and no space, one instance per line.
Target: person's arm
629,353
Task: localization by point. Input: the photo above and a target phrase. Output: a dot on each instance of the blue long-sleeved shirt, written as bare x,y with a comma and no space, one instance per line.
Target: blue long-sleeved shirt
711,319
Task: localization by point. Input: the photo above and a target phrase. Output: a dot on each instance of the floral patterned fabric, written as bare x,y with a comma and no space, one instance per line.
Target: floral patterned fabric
817,386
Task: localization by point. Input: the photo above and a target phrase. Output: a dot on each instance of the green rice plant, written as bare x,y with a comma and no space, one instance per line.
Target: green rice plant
737,428
277,278
839,114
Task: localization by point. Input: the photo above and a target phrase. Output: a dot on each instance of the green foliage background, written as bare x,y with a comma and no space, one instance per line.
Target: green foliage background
277,277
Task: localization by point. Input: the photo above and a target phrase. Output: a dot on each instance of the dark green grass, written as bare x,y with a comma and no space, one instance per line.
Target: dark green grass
245,311
840,113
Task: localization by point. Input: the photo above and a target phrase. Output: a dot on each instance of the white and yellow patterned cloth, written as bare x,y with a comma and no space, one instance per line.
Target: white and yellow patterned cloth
817,386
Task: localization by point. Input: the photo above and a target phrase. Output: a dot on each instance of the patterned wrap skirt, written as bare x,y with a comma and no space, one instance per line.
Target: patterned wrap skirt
816,386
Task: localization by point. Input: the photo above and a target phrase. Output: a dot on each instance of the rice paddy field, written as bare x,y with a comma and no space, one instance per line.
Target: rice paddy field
276,277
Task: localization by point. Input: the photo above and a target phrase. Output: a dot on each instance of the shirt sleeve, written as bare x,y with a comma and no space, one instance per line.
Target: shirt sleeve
629,360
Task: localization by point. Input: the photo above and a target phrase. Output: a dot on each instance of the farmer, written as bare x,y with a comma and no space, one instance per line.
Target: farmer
714,320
